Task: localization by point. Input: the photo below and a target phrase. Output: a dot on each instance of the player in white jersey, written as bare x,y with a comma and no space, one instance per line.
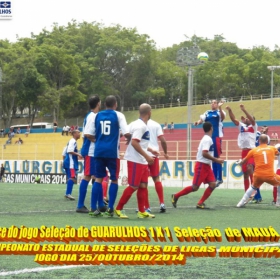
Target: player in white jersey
156,134
70,164
87,152
203,172
246,141
137,163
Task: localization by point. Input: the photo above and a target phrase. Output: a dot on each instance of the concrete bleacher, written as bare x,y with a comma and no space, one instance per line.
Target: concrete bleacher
37,146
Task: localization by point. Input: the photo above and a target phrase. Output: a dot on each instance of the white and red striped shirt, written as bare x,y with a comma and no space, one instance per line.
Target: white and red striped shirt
247,135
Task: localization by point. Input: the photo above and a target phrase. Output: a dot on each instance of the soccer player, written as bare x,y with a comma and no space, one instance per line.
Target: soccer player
137,164
264,130
156,134
71,163
203,172
246,141
108,124
87,152
216,117
263,156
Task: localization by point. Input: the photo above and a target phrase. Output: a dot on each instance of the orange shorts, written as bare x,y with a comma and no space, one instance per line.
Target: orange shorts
272,180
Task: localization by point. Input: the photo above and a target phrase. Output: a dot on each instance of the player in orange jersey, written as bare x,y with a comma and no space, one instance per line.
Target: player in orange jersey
264,167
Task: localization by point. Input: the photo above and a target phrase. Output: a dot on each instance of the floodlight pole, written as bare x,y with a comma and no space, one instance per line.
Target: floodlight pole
189,119
272,68
188,57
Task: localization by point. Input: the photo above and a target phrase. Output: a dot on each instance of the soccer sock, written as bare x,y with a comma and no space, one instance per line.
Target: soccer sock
215,169
184,191
127,193
105,188
69,186
141,194
274,193
258,195
248,194
147,204
113,191
159,190
251,179
206,194
246,184
100,195
95,191
278,196
82,193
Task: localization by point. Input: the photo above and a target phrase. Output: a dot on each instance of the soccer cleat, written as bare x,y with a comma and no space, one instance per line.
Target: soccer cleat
120,214
69,197
241,203
144,215
218,183
95,213
273,202
162,208
148,210
109,212
103,209
82,210
257,200
174,200
200,206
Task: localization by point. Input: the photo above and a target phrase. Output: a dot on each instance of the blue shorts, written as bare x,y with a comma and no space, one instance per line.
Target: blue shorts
70,173
113,165
89,166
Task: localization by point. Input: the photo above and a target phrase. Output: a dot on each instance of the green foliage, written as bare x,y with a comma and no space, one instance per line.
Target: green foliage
55,71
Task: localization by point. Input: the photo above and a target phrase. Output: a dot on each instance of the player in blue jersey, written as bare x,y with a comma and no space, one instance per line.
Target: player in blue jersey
216,117
71,164
108,124
87,152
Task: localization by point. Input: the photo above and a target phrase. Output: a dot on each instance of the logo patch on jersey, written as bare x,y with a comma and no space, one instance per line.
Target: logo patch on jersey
146,135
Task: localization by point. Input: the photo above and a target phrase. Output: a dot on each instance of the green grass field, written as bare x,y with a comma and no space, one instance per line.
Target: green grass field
36,205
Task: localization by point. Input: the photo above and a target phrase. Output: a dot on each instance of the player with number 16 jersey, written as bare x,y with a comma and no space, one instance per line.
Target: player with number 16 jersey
108,124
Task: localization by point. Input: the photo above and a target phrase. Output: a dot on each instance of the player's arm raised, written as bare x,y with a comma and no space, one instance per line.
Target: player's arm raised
250,117
222,113
232,116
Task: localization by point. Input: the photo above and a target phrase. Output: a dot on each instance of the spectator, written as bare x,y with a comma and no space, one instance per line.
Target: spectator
2,172
165,126
55,126
12,134
27,131
2,132
71,129
18,130
6,132
19,141
171,127
274,137
63,130
76,127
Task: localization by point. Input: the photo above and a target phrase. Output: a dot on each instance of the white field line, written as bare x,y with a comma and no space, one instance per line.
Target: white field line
41,269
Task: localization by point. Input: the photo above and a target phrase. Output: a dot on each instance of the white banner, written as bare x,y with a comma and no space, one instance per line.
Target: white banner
173,173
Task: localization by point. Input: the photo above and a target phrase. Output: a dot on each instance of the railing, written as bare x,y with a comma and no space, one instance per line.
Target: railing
207,101
177,150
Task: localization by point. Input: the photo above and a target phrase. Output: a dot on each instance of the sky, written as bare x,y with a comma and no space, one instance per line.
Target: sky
247,23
